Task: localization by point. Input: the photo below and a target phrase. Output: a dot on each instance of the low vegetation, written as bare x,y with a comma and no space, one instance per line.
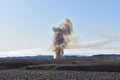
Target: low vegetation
65,69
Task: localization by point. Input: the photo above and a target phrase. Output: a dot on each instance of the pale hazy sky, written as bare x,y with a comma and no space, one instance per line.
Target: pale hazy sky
26,24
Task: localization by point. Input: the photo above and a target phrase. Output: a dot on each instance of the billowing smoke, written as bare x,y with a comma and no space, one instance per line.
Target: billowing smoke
62,37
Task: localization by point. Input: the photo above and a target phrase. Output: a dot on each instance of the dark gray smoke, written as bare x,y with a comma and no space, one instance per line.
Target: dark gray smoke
62,37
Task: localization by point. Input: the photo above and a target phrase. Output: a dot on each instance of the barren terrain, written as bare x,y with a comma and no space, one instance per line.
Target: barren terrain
66,69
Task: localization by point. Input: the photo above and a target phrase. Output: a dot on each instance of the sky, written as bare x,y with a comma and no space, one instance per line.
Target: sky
27,24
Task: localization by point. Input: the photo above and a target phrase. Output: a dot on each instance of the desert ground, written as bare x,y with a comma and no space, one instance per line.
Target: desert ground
64,69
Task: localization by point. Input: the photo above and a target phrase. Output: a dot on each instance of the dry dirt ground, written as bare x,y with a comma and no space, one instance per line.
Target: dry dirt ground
66,69
57,75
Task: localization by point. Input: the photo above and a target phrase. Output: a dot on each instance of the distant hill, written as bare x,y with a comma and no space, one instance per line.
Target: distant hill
30,57
66,56
106,56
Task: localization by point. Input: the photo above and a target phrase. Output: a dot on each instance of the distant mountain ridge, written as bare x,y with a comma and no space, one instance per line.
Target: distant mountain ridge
106,56
66,56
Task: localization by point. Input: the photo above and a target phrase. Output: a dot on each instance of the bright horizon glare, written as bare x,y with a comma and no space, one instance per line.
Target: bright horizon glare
26,26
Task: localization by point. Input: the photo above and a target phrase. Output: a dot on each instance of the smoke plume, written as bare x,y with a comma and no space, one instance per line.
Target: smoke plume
62,37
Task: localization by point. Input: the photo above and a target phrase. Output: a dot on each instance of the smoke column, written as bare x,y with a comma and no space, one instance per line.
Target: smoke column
62,37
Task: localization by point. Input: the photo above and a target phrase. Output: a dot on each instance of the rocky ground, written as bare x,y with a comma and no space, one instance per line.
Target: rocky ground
67,69
57,75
